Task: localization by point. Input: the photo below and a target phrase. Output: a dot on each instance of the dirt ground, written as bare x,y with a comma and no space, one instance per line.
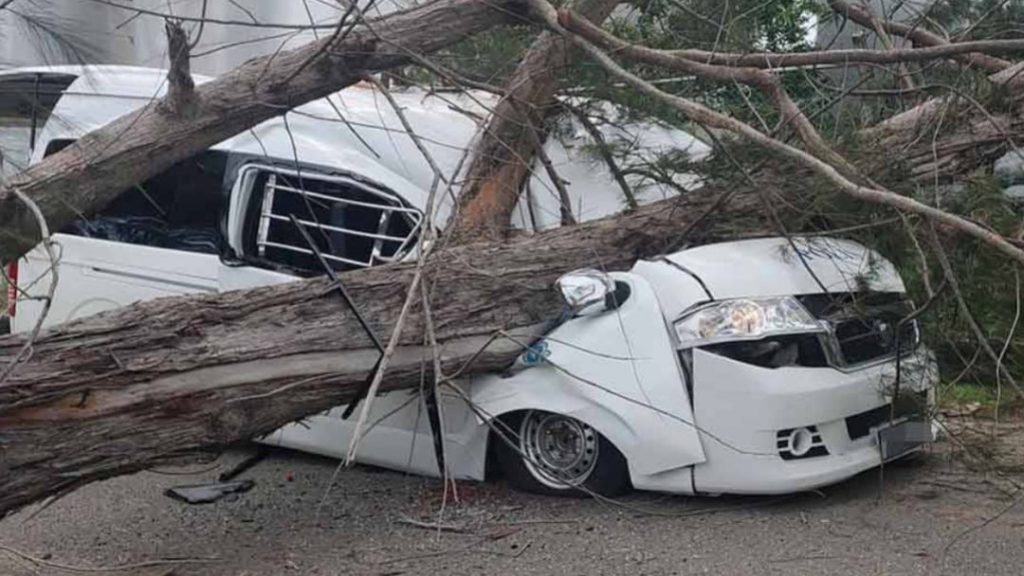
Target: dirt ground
933,516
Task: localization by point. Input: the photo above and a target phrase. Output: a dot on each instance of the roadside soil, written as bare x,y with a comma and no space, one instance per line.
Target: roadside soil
953,511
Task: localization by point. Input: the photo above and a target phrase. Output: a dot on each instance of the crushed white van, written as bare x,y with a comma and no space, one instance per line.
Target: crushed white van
760,366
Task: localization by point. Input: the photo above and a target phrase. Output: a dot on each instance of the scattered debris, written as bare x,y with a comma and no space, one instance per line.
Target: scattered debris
207,493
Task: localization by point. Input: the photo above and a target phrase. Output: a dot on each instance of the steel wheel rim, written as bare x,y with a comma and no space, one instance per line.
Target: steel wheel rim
560,452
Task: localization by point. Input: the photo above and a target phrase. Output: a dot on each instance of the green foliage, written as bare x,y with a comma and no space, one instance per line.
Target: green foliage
981,19
961,394
987,278
738,25
489,57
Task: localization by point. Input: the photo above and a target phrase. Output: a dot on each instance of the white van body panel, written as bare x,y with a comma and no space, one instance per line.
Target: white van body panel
611,371
399,437
617,372
765,267
97,275
743,454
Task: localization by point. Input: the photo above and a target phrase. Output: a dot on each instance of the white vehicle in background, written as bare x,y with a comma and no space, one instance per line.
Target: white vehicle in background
760,366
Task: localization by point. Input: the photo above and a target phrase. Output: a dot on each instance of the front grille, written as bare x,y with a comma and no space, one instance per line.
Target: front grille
863,327
869,339
909,405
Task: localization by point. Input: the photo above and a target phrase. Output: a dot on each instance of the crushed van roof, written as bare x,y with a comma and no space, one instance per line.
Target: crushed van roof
356,130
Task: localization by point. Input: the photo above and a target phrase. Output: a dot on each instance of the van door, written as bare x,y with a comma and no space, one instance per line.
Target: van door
158,238
26,101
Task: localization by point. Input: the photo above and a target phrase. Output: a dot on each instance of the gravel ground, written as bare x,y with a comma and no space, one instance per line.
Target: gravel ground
928,517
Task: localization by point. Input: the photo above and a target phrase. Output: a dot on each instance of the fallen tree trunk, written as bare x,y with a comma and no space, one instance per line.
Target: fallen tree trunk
159,380
972,136
165,379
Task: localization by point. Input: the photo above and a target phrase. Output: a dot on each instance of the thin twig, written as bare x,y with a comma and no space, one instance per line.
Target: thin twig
433,525
606,154
427,244
564,203
210,20
44,233
115,568
1002,353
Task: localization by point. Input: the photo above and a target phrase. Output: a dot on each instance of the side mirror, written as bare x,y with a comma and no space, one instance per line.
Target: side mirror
585,291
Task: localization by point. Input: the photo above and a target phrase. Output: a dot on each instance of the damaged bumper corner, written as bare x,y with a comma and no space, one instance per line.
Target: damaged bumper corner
796,428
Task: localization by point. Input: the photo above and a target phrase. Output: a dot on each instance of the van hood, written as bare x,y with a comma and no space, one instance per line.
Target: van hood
765,267
781,267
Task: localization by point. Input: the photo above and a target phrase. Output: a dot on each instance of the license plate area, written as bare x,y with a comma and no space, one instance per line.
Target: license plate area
899,439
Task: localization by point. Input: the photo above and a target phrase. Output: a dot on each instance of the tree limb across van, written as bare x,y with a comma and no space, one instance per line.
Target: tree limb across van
87,175
165,379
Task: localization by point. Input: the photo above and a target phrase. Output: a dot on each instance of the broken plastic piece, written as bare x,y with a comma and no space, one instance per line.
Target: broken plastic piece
207,493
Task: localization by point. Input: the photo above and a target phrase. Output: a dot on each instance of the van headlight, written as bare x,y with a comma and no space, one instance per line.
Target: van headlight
744,319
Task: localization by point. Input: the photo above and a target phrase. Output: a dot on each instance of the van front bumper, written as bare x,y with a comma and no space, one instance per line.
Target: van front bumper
748,415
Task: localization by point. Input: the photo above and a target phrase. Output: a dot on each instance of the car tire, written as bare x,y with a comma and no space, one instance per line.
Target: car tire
606,474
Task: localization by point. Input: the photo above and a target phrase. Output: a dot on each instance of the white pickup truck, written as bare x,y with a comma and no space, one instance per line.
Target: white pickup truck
761,366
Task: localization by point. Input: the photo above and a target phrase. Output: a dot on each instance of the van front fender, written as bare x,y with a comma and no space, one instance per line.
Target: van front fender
618,373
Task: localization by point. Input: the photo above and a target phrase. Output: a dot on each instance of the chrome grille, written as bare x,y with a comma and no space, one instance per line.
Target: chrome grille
863,327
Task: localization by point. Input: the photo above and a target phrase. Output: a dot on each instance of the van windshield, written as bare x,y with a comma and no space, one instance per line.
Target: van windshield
178,209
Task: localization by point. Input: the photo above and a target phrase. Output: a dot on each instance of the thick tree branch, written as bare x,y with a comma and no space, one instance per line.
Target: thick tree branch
916,34
851,56
504,158
187,374
181,96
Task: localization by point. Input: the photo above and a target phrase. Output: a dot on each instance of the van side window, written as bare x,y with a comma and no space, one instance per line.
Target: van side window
27,101
178,209
354,223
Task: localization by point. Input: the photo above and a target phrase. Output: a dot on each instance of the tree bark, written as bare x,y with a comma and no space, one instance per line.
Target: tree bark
164,379
946,138
86,176
503,159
